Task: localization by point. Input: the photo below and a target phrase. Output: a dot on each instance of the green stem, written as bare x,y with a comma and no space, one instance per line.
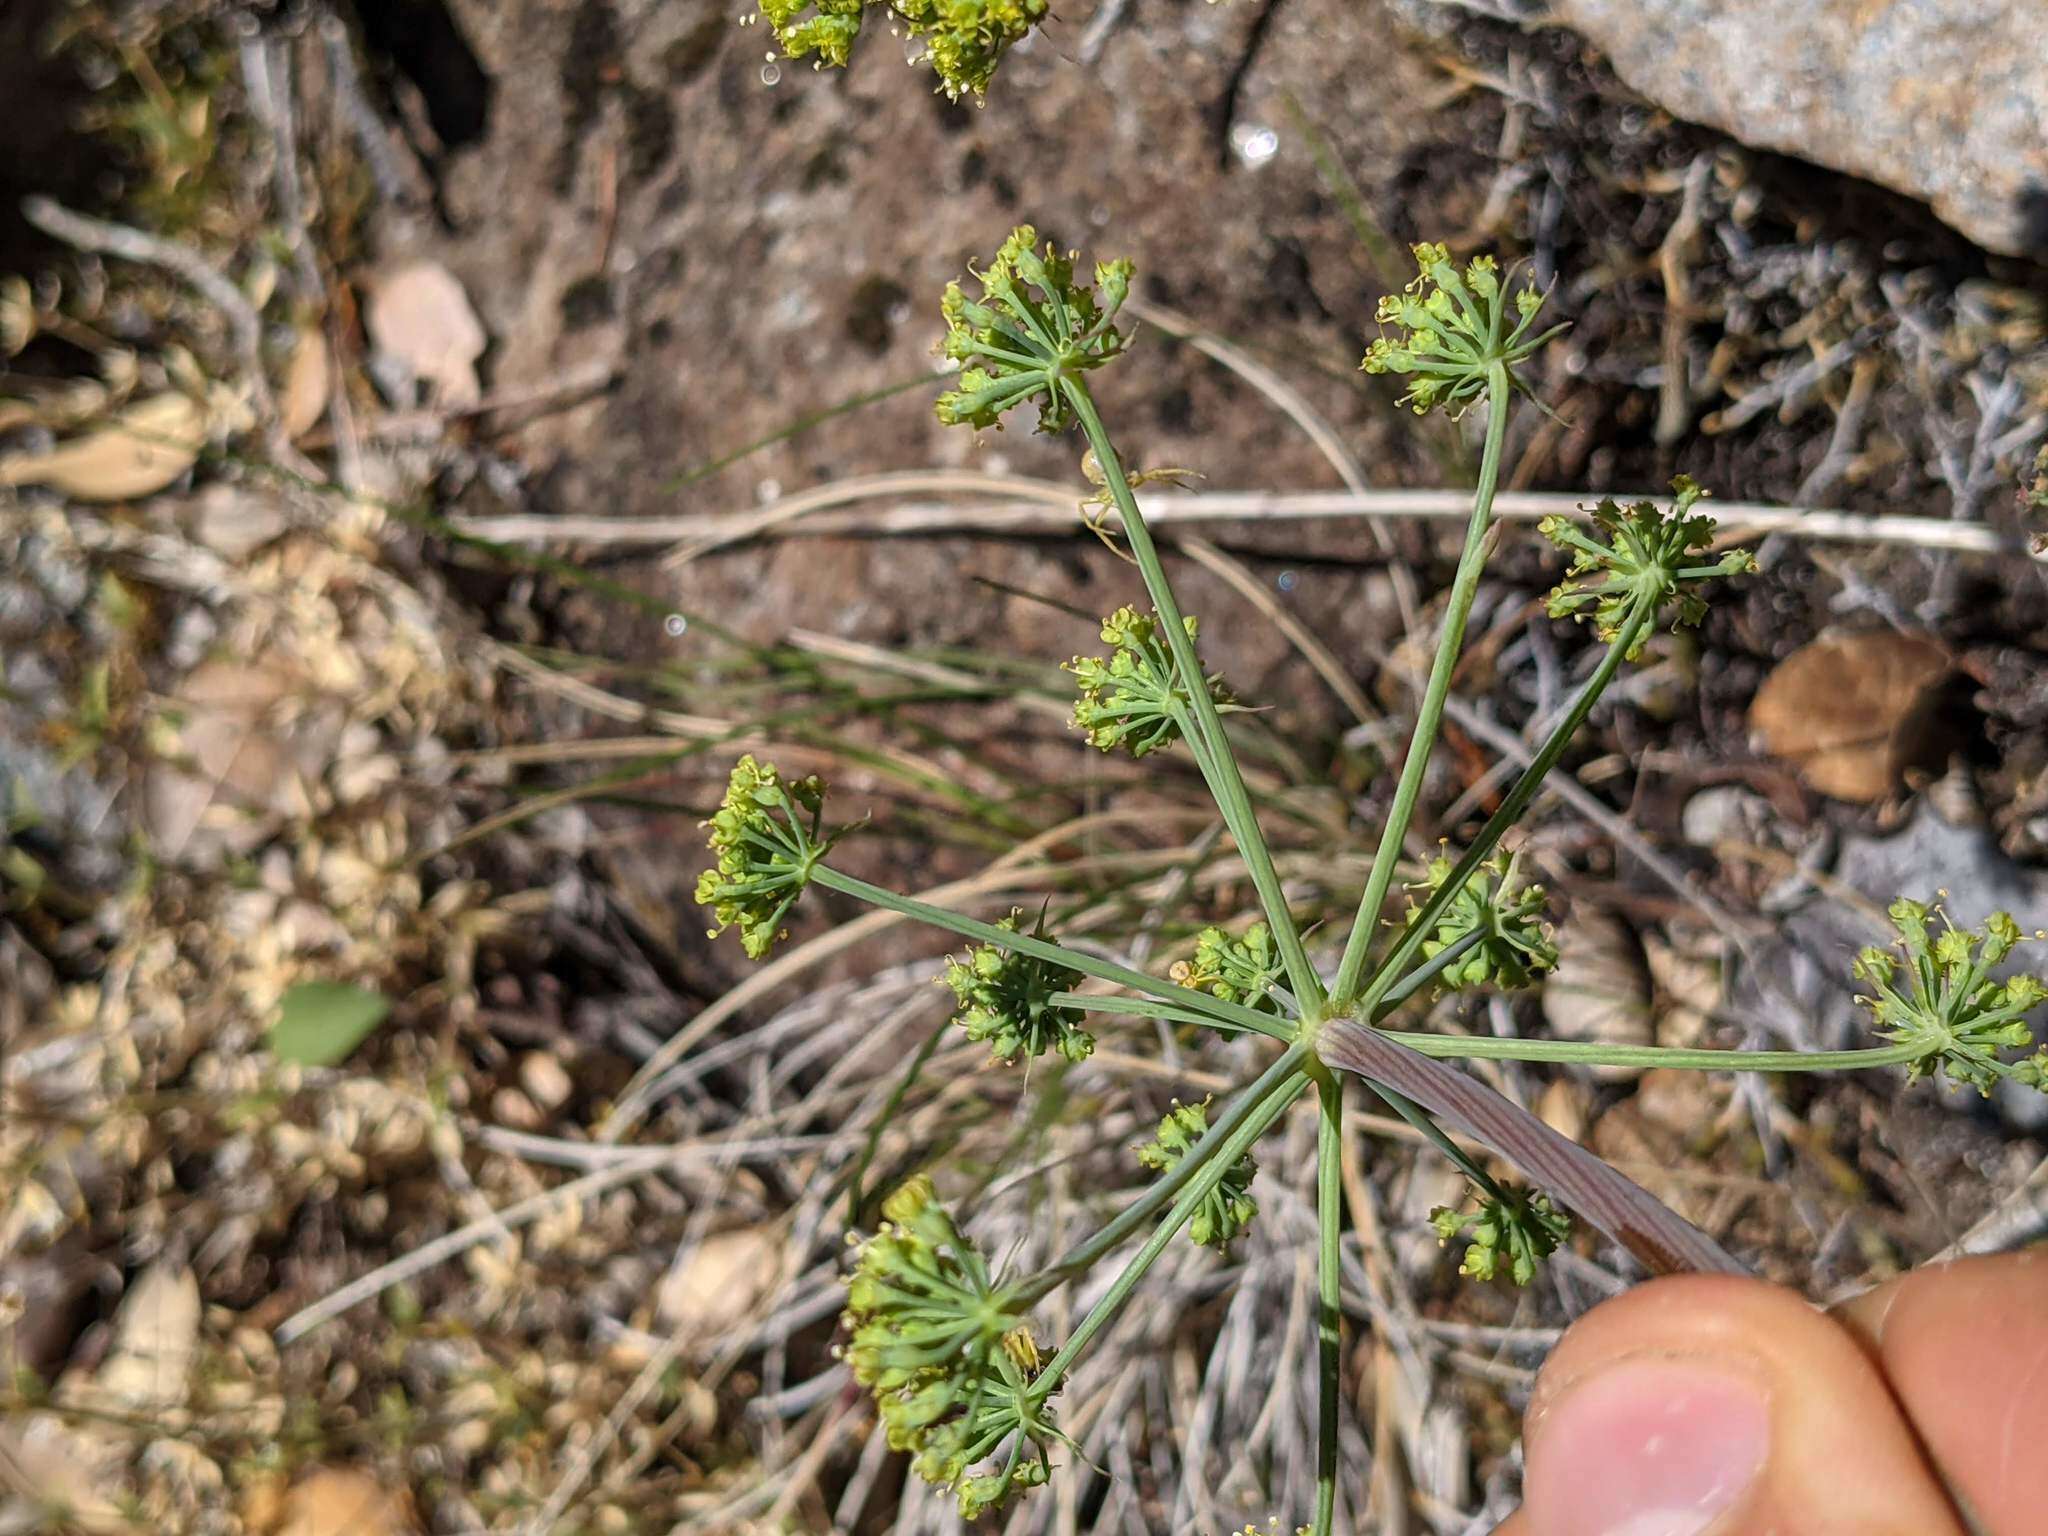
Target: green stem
1057,954
1582,1053
1429,717
1329,1353
1140,1007
1573,1052
1225,781
1198,1190
1280,1081
1509,812
1178,1013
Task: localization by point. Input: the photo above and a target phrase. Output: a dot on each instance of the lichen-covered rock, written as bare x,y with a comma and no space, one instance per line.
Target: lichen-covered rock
1944,100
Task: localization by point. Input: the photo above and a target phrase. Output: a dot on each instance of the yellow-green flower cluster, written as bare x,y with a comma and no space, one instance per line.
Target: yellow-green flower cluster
1519,1229
1239,971
766,839
964,40
1495,922
1450,331
1134,699
947,1354
1650,558
1228,1208
1006,998
825,28
1032,331
1937,989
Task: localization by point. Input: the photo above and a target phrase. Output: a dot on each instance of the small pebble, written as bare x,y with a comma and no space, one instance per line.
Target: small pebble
514,1110
544,1080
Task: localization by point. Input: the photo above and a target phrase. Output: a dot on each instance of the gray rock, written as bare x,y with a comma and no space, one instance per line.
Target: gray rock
1944,100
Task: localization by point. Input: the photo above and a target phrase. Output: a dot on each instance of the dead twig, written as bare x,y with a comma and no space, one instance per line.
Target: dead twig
1015,506
1674,396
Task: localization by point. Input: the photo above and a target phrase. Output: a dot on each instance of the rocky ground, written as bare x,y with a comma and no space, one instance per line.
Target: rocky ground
361,426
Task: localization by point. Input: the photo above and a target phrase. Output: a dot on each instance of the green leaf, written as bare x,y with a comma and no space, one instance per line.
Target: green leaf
320,1022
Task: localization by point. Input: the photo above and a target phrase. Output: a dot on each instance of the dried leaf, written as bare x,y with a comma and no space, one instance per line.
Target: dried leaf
418,314
320,1022
1599,990
1853,712
149,1369
304,399
336,1502
141,451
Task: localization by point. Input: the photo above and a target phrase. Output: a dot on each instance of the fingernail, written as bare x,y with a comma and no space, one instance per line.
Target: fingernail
1646,1447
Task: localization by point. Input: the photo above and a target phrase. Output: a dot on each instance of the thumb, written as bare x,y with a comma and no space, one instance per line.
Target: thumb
1711,1406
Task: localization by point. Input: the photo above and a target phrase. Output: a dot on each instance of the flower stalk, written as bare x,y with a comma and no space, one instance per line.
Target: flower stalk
1430,713
943,1341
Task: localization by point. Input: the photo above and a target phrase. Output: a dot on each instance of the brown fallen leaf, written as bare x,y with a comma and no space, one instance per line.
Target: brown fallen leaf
139,452
336,1501
261,1500
1854,711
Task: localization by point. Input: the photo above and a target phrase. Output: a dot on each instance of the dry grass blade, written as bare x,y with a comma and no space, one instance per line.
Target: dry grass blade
609,705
